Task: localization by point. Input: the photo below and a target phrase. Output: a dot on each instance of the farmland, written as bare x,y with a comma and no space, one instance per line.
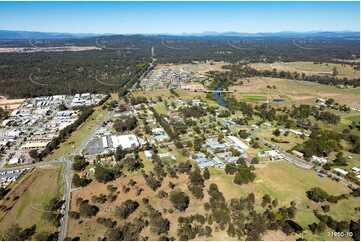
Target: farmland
310,68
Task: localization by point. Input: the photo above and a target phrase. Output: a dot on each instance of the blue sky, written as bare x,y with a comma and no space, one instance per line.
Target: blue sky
179,17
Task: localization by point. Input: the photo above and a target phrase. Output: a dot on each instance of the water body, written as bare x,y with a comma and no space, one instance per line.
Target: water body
278,100
218,96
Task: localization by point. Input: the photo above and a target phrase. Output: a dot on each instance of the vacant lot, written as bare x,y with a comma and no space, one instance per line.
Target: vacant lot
34,190
10,103
293,139
86,231
295,91
310,68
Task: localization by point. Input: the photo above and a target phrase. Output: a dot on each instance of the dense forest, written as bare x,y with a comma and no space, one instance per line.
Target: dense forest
120,59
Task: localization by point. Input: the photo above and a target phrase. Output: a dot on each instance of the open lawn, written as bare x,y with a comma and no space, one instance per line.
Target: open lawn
287,183
295,91
310,68
35,190
250,97
161,108
293,139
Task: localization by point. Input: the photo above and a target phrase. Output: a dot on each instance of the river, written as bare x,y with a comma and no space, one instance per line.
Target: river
218,96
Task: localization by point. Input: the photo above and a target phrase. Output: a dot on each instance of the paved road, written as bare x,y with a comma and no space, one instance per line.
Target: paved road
44,163
295,160
67,174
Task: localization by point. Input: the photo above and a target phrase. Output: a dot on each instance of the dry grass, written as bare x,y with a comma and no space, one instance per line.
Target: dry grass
10,103
309,68
280,180
35,191
293,91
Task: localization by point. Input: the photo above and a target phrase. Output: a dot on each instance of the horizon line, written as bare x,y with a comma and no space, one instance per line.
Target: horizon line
185,33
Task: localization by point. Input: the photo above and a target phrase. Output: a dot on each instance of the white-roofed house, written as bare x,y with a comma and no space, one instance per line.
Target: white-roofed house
339,170
238,142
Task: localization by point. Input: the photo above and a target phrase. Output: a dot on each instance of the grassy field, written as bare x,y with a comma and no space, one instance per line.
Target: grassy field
291,138
81,133
250,97
287,183
293,92
310,68
35,190
161,108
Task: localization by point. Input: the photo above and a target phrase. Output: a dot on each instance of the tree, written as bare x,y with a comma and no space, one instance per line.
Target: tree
197,144
276,132
244,177
158,225
343,226
3,192
17,233
220,137
334,71
255,160
230,169
206,174
196,178
316,194
340,161
103,175
79,163
275,203
62,107
34,154
325,208
266,199
46,236
87,210
74,215
80,182
355,229
179,200
126,208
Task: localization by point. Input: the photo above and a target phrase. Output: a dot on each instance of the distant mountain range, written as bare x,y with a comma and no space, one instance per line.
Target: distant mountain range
9,34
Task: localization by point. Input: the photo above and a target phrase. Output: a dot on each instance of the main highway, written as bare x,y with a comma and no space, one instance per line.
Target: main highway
67,173
68,162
